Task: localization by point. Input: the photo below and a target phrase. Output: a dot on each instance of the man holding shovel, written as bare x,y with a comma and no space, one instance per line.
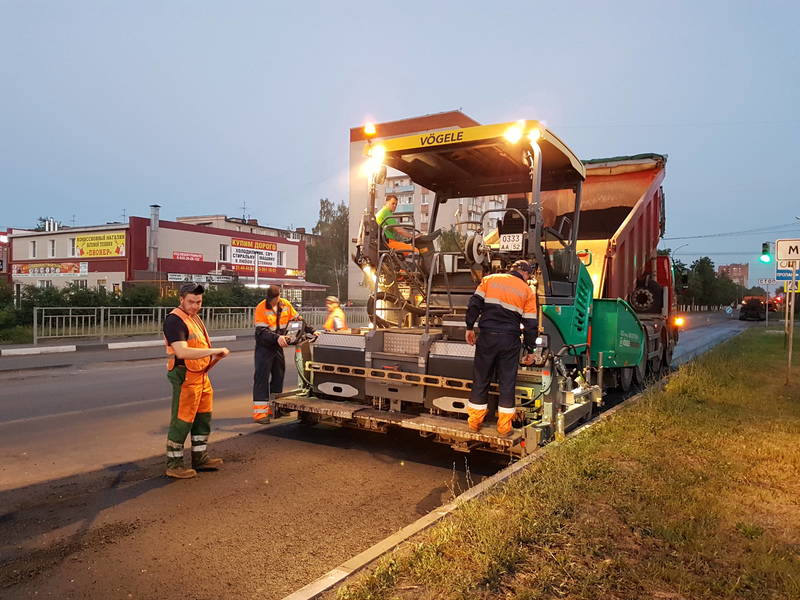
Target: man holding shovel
190,359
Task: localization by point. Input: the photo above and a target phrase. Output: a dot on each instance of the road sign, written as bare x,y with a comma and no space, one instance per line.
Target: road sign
787,249
767,281
783,270
791,286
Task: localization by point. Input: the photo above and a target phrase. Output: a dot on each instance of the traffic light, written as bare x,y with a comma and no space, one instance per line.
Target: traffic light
766,253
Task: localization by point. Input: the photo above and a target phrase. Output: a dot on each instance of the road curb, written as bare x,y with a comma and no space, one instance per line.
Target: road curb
109,346
339,574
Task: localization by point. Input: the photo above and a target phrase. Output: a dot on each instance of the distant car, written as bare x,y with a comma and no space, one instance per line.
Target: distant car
753,308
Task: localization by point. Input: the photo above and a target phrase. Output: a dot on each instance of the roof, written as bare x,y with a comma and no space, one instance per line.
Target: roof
450,118
18,233
481,161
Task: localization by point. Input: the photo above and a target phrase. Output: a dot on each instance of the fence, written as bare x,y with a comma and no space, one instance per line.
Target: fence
110,321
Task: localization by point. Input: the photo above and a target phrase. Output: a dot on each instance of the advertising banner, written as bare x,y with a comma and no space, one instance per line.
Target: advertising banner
49,269
192,256
100,245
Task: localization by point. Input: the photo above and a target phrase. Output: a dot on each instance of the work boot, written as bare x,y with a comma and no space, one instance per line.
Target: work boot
206,463
181,472
476,417
504,428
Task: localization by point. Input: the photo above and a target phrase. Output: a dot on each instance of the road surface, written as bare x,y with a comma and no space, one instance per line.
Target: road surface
85,511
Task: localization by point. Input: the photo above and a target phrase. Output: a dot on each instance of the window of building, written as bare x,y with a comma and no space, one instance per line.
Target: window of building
51,248
224,252
32,249
73,251
115,288
293,296
101,284
17,293
45,283
279,258
293,236
81,284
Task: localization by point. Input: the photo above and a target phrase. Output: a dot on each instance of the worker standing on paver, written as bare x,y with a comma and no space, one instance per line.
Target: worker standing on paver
190,358
271,317
336,319
503,301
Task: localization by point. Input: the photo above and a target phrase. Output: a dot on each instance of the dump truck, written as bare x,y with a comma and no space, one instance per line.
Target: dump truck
605,297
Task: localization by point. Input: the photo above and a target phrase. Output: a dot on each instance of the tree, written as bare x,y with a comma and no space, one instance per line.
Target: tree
451,240
328,256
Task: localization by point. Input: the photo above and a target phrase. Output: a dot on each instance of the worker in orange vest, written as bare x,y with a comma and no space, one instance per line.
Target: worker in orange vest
336,319
271,317
190,358
503,301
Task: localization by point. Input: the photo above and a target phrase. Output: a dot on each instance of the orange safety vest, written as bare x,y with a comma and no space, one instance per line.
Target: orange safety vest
336,320
266,317
510,292
198,338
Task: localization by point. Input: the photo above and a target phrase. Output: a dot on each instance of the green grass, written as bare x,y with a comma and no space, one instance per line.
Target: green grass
693,492
18,334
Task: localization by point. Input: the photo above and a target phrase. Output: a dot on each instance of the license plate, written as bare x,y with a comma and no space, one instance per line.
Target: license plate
511,241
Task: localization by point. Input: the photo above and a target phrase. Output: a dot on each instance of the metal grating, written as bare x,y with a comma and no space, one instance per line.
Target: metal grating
401,343
452,349
341,340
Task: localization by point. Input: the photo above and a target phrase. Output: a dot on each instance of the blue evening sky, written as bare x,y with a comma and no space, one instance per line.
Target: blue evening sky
202,106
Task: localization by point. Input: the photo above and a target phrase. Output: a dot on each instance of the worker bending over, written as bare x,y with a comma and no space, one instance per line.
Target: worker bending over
336,319
189,350
271,317
503,301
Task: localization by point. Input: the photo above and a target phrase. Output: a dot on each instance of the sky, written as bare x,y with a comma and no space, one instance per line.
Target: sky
205,107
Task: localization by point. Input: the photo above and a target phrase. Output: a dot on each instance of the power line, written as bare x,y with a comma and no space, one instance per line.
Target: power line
759,230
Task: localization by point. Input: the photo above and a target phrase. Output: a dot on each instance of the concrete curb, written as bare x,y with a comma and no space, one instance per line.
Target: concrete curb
339,574
109,346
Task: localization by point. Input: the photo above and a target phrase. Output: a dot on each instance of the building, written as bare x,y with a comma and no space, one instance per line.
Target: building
164,253
249,226
461,213
738,273
411,198
4,251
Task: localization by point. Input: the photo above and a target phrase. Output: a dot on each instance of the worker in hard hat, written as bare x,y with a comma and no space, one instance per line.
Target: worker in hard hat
190,358
503,301
396,236
271,317
336,319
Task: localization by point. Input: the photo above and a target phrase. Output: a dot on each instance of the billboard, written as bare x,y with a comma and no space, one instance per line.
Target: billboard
245,253
100,245
49,269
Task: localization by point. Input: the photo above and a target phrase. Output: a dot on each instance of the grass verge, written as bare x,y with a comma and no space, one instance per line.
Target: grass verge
693,492
19,334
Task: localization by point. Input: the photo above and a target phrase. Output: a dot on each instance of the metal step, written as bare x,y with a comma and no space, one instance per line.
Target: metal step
447,427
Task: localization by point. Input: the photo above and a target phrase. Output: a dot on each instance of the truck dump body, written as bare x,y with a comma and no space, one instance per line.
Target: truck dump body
621,219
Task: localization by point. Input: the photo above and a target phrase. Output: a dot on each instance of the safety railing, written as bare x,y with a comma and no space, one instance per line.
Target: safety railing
113,321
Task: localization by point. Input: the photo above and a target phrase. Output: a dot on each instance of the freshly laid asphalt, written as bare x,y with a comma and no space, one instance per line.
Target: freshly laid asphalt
85,511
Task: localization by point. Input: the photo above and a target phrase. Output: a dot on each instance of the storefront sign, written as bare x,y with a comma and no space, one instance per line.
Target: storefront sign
49,269
247,256
253,244
99,245
192,256
195,278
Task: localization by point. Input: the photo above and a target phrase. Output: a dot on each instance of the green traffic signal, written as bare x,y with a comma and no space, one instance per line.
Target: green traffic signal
766,253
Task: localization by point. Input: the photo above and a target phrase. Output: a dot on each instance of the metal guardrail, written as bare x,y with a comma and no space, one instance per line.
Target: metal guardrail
109,321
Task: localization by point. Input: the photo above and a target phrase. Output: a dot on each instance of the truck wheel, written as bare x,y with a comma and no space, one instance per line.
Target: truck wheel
625,379
642,299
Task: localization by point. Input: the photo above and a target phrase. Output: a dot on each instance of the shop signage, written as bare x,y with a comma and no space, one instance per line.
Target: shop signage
191,256
100,245
49,269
